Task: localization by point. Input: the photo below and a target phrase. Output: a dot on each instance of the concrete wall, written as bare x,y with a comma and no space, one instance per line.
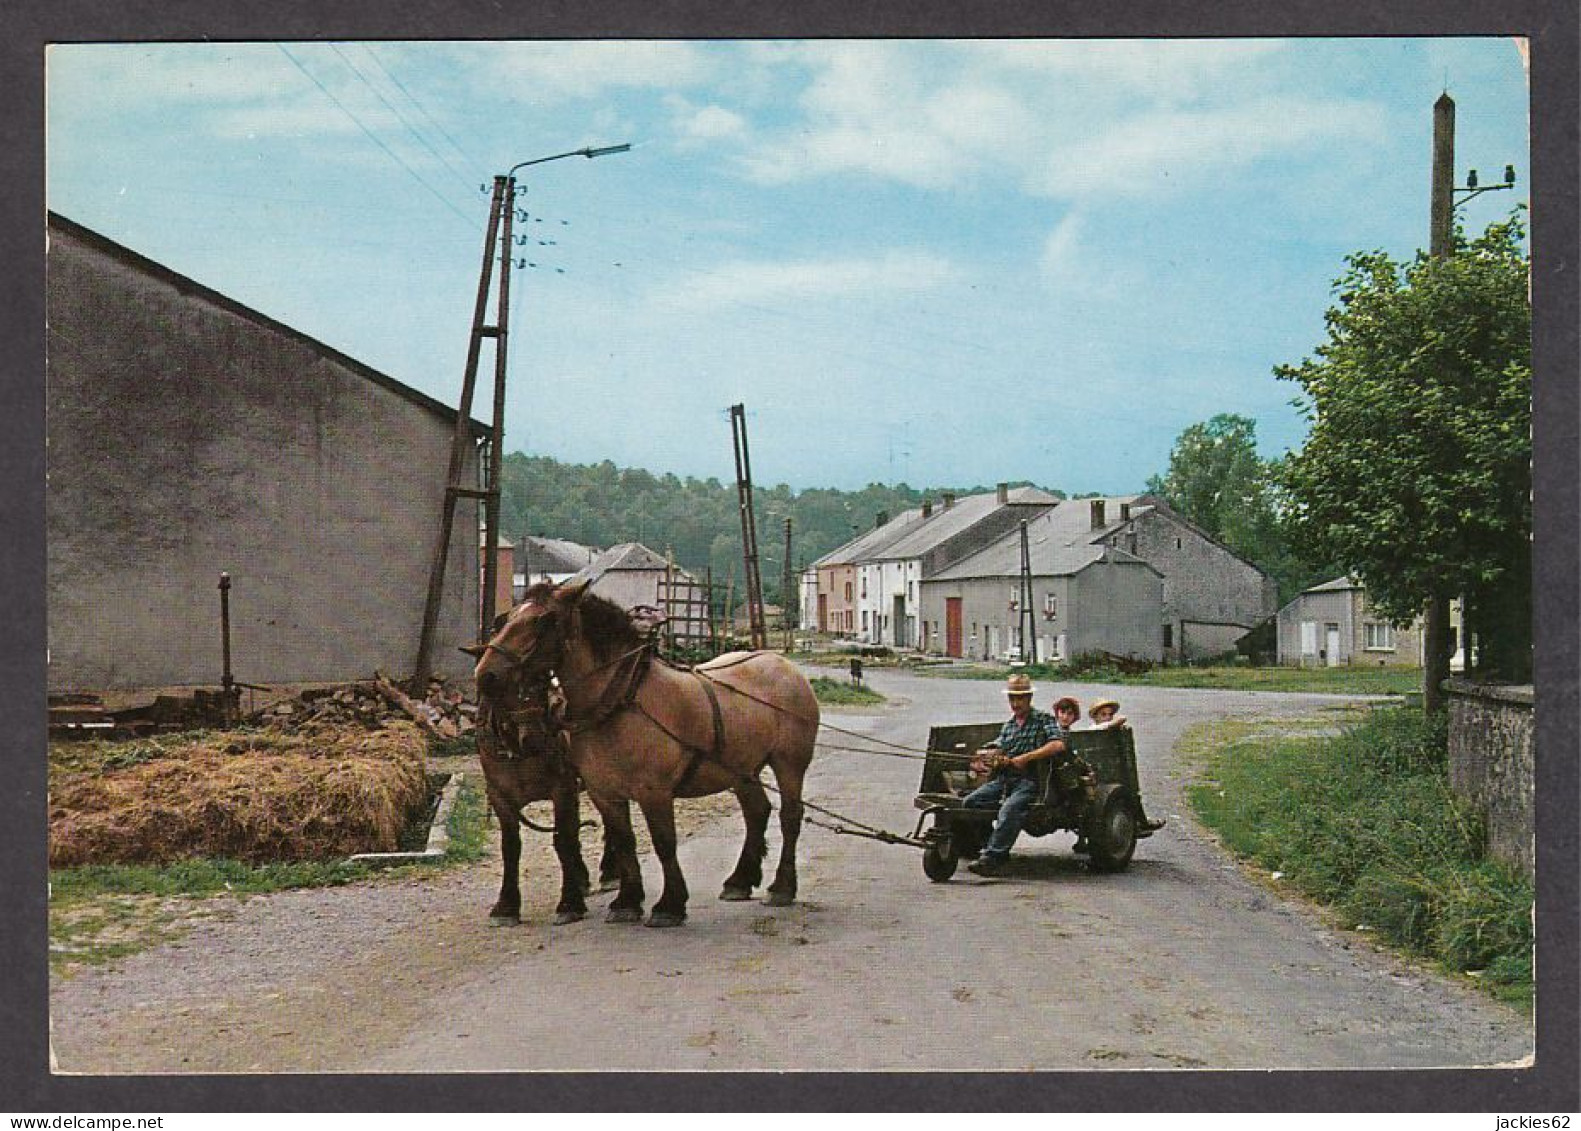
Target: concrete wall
186,437
1207,589
1108,607
1492,764
1115,607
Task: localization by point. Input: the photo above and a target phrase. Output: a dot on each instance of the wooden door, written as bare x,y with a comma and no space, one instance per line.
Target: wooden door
952,627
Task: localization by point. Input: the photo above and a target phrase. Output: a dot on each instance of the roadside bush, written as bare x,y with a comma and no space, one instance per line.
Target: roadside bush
1365,822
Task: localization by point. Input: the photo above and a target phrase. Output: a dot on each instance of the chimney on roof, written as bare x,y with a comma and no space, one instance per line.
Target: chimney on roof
927,508
1004,493
880,518
1097,515
949,499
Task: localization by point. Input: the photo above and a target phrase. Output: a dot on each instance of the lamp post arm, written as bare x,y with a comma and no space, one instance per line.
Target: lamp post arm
585,151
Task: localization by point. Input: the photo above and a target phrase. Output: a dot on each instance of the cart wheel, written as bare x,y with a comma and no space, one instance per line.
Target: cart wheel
1112,839
939,861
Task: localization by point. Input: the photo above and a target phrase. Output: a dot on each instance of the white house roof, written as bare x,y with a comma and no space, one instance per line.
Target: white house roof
1055,550
627,556
865,545
946,522
909,535
1338,585
555,555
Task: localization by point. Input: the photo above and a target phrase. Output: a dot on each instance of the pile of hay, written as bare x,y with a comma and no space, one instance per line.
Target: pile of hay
256,797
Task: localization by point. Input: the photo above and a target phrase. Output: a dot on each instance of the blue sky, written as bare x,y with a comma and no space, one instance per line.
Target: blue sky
948,263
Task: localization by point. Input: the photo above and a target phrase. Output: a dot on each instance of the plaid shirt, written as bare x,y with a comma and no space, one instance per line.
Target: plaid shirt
1018,738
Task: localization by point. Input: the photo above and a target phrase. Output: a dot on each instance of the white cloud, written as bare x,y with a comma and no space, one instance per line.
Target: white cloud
548,72
1170,150
809,280
695,125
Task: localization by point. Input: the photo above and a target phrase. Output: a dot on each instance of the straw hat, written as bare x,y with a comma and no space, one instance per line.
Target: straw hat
1092,712
1018,684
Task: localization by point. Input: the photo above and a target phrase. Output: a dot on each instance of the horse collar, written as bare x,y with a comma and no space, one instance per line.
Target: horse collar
610,702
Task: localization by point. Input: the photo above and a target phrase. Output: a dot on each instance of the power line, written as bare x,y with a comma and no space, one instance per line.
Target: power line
462,177
421,109
375,138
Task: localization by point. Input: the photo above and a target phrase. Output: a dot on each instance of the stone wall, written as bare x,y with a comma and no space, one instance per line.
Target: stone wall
1491,761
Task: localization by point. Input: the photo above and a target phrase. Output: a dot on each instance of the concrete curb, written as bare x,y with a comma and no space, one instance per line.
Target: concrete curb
438,834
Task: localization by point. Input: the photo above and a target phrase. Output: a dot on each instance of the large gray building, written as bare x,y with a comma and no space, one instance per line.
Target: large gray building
1086,598
189,435
1212,596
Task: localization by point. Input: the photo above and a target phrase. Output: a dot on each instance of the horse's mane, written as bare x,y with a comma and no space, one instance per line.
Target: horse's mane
606,626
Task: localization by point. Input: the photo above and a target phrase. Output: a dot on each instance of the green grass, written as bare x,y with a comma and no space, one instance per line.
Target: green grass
1333,681
1364,822
843,692
99,913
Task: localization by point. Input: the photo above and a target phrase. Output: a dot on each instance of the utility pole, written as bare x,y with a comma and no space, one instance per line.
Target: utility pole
461,442
753,582
1436,645
1027,621
788,591
501,210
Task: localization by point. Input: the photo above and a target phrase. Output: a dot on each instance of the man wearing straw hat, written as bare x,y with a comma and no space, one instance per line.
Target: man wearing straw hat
1028,737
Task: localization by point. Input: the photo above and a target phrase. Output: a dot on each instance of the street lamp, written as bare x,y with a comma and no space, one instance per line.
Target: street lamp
491,511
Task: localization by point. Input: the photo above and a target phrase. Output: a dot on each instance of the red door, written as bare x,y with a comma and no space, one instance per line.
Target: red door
952,627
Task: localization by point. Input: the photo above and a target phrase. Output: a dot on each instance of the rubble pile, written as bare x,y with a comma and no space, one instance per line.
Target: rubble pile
372,703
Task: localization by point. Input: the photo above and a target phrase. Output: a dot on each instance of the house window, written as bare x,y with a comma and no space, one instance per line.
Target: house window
1050,606
1169,636
1309,638
864,622
1377,637
847,590
864,586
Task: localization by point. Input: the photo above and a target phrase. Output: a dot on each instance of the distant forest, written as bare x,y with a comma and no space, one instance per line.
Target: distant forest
696,519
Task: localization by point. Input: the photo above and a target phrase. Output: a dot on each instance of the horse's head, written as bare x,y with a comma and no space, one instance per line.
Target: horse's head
528,645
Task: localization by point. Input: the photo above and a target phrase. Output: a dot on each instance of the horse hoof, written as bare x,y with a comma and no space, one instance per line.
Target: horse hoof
505,920
666,919
735,895
781,899
624,915
561,918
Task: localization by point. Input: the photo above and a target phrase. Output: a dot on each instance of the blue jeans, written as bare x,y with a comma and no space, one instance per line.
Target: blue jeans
1012,796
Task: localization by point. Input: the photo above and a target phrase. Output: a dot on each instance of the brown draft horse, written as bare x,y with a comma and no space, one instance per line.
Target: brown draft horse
643,730
524,759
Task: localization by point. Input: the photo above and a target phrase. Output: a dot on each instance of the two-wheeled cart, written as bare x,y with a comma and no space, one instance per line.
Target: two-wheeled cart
1092,791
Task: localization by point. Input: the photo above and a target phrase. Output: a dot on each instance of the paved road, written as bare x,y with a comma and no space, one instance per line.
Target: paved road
1182,961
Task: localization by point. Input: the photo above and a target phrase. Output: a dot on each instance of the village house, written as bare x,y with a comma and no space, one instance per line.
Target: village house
889,577
1332,625
630,574
1212,596
197,436
836,595
1087,597
548,559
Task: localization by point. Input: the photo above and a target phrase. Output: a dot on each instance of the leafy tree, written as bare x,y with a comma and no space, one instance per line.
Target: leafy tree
1217,480
1416,474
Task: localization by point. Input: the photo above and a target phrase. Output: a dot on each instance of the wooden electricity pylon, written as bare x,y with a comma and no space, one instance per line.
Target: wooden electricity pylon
749,530
496,245
1028,619
788,594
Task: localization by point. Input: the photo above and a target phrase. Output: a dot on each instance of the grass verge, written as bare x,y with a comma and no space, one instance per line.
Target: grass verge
1331,681
1364,823
839,692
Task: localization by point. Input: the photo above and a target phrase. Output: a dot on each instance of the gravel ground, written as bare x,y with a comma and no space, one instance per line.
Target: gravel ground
1184,961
